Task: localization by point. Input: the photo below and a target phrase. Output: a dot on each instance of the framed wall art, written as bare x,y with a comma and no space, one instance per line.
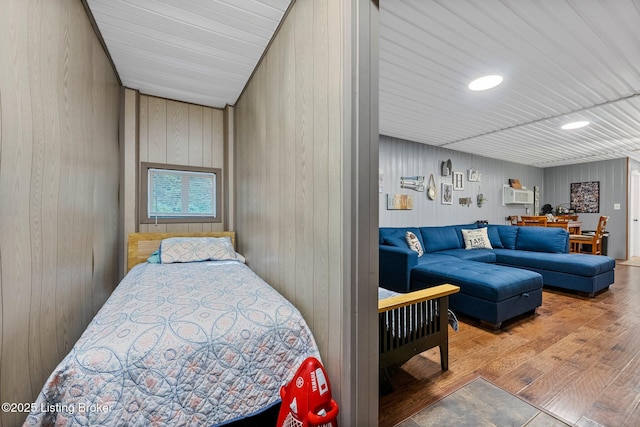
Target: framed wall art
447,193
458,181
585,197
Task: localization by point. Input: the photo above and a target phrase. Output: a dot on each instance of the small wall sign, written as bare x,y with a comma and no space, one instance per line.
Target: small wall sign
399,202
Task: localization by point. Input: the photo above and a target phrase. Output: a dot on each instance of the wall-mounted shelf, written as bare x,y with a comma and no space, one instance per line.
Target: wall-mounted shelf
516,196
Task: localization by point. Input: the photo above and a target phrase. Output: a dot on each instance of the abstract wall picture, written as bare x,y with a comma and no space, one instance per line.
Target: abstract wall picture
585,197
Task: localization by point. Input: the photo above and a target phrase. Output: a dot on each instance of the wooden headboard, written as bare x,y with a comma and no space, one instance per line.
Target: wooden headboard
142,245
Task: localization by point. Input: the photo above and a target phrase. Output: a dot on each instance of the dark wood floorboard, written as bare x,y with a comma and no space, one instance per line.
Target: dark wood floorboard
577,357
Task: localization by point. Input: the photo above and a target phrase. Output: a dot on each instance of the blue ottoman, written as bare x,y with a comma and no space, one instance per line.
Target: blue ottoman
488,292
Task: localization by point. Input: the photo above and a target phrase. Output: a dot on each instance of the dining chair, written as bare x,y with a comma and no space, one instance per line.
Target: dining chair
595,240
559,223
567,217
534,220
513,220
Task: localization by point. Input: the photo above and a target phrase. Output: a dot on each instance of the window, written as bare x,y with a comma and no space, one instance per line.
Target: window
177,194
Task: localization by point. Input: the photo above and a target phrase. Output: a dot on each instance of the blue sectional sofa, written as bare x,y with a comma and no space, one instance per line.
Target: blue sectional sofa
496,283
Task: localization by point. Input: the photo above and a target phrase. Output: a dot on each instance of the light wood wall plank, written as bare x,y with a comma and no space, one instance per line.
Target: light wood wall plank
207,135
195,141
130,136
303,189
59,102
320,176
217,139
336,178
287,172
272,158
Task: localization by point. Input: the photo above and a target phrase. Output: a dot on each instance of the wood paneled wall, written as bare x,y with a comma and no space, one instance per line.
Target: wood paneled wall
183,134
59,100
303,169
400,157
613,177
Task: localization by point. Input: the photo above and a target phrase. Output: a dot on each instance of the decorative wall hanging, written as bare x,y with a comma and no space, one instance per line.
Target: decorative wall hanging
585,197
465,201
412,182
432,192
446,168
481,200
447,194
458,181
473,175
399,202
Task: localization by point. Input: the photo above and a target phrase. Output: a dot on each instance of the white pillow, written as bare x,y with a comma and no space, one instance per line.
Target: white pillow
413,242
476,239
190,249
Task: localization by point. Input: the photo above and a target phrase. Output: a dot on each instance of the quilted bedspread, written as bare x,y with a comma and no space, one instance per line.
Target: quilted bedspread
180,344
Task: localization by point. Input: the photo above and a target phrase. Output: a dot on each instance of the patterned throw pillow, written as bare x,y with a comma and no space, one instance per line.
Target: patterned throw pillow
192,249
476,239
414,243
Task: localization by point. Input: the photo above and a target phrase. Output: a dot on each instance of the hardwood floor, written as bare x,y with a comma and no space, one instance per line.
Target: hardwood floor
578,358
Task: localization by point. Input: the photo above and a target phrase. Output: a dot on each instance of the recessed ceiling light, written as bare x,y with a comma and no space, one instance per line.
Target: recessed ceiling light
575,125
486,82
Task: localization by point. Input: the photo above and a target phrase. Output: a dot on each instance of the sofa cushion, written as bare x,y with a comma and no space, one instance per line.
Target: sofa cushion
439,257
485,281
508,235
395,236
542,239
494,236
459,229
578,264
443,238
479,255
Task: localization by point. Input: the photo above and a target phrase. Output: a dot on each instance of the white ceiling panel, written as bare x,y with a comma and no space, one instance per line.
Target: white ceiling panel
199,51
561,60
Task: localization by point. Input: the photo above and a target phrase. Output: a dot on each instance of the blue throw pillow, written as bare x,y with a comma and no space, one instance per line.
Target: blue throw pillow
154,258
494,236
508,235
392,236
441,238
396,242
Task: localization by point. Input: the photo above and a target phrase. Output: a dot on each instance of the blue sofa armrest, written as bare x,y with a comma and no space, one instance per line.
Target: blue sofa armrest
395,267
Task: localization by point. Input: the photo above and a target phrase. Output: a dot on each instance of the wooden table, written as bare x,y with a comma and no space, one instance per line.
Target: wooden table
574,227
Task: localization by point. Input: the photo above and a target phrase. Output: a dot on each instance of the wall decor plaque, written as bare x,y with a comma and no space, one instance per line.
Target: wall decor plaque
399,202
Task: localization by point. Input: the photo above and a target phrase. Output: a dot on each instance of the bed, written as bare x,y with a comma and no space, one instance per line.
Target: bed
180,343
411,323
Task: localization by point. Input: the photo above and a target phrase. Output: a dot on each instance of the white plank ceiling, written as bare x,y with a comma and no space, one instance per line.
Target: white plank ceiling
198,51
562,60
